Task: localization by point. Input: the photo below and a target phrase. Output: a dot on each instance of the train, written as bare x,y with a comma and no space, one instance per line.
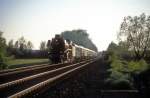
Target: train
63,50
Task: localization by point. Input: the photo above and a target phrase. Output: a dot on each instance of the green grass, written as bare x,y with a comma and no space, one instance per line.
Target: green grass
25,61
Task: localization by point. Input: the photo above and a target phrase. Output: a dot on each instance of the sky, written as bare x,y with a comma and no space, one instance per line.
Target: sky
40,20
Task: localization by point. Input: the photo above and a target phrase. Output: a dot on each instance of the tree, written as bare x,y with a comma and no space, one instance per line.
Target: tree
10,47
29,45
123,45
120,50
136,32
2,51
2,41
10,44
16,45
79,37
22,44
22,48
112,47
43,45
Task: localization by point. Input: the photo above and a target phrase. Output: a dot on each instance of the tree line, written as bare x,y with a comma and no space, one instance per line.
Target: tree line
2,51
133,37
24,49
129,59
20,48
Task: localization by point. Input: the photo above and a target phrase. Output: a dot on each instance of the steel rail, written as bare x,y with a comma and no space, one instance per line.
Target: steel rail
10,76
14,86
21,68
34,90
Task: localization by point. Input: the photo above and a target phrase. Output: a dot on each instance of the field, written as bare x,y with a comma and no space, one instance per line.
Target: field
21,62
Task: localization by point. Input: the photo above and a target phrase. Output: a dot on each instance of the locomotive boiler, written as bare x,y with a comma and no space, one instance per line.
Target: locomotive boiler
62,50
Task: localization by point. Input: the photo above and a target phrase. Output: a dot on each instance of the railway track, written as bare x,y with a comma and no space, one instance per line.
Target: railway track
29,82
21,68
13,74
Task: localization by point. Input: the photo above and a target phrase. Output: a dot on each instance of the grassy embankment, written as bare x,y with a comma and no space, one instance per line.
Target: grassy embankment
12,63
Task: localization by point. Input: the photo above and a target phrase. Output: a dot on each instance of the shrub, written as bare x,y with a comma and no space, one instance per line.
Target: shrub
119,77
2,62
137,66
121,71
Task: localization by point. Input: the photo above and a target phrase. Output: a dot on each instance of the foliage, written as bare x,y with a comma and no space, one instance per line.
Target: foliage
10,47
118,73
121,71
43,45
29,45
2,51
112,57
134,42
22,44
2,61
112,47
2,42
137,66
16,45
120,50
136,32
10,44
20,49
79,37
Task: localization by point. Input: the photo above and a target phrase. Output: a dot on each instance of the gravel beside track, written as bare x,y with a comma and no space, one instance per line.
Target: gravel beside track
89,83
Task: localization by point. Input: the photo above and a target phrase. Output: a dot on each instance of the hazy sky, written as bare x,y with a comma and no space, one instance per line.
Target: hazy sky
40,20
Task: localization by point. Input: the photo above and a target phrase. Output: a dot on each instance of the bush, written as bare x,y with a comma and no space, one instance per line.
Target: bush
137,66
2,62
123,68
119,77
121,71
2,51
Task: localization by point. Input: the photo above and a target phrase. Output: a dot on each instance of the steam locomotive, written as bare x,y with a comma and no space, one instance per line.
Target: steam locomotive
61,50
